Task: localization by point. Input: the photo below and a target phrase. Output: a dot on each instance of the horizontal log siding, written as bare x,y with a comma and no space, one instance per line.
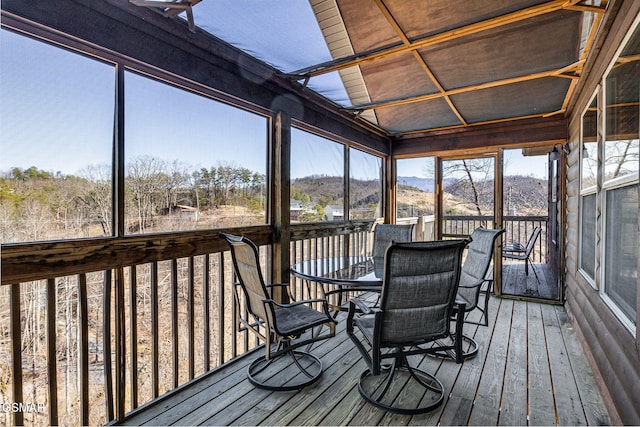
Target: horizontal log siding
611,348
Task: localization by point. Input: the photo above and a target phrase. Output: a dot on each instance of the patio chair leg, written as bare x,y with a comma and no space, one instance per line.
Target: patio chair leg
535,273
374,392
272,379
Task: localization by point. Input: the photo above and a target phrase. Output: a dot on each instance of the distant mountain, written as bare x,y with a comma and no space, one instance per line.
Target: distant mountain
522,194
424,184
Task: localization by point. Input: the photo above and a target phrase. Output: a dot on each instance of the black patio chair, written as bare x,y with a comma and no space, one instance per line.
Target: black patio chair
473,277
416,304
284,328
385,234
515,250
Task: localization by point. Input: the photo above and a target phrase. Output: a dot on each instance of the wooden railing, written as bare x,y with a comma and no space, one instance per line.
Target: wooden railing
424,226
96,328
311,241
517,229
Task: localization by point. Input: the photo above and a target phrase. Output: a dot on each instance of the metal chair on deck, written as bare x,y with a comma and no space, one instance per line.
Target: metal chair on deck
472,278
515,250
284,328
416,304
385,234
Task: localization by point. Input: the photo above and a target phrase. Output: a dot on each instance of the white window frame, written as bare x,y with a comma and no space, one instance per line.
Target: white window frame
586,191
620,182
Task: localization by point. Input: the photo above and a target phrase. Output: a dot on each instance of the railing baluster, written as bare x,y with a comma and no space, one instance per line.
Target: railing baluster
52,369
191,318
155,339
106,344
234,310
83,348
206,331
133,334
16,351
294,280
120,342
174,322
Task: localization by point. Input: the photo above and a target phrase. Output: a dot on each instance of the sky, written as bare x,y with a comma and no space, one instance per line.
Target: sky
169,123
283,33
515,164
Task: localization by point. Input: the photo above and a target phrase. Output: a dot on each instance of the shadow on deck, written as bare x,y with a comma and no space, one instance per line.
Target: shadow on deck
530,370
541,283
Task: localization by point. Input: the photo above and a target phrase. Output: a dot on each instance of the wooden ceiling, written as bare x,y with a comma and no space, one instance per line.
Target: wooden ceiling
412,66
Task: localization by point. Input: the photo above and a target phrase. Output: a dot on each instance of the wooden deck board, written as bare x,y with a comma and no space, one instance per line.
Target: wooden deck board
542,409
516,283
513,409
530,362
486,410
569,407
585,381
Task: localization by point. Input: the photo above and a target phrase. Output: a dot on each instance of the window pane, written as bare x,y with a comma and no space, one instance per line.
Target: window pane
415,192
588,235
621,255
365,185
588,181
623,113
468,186
589,152
191,162
317,178
56,140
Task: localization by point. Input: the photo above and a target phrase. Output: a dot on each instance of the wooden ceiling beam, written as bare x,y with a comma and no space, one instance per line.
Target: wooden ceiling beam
506,120
446,93
423,64
483,138
397,48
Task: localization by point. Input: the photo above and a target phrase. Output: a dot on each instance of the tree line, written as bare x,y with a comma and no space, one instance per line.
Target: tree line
38,205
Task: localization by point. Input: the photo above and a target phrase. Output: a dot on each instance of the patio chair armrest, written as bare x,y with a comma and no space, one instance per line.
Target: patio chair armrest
356,305
274,285
359,305
295,303
280,285
475,285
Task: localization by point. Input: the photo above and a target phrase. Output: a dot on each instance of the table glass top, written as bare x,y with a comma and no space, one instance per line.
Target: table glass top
342,270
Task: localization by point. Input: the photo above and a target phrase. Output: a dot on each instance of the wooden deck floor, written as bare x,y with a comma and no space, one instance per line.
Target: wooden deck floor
544,285
530,370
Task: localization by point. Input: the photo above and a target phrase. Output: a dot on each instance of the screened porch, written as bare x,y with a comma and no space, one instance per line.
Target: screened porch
136,133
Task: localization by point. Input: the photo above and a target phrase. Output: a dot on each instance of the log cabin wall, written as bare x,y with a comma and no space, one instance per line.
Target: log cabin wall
614,351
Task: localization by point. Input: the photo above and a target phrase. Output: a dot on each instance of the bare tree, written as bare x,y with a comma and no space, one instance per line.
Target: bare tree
96,196
621,158
144,181
469,179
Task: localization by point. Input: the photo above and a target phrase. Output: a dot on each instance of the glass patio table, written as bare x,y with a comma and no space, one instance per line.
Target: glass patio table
339,275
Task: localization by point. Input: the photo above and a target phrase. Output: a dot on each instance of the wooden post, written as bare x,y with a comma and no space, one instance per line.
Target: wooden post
117,192
439,200
498,221
280,165
346,165
389,193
